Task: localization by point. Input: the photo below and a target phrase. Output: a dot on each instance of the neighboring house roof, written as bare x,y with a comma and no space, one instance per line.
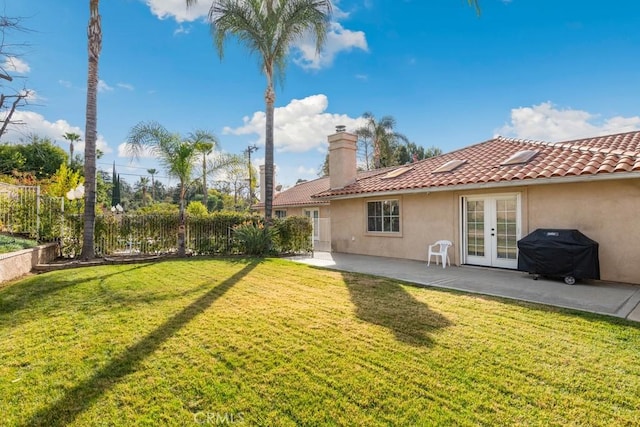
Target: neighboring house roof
501,161
301,194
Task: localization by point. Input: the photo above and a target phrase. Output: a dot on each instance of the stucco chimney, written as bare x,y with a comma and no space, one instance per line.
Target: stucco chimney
342,158
263,187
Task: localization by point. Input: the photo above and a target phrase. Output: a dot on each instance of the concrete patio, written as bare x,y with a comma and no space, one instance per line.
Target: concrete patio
613,299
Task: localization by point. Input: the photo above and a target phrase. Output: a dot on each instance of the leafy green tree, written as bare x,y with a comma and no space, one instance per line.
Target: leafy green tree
94,38
269,28
62,181
11,159
411,152
177,155
103,187
215,201
36,155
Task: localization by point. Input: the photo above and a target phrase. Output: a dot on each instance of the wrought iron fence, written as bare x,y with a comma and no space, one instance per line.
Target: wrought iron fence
24,211
154,234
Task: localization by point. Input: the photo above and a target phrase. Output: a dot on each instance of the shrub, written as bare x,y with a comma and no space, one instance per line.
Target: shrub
254,240
197,209
293,234
12,244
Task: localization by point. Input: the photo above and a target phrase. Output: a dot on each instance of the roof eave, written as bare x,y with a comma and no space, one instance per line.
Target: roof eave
489,185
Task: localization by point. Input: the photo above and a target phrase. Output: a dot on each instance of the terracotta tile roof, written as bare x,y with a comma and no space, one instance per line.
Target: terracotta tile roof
484,164
301,194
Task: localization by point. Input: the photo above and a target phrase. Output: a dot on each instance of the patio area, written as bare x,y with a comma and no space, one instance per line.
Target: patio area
613,299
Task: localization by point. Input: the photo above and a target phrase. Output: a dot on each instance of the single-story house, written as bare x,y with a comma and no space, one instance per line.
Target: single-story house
487,196
298,201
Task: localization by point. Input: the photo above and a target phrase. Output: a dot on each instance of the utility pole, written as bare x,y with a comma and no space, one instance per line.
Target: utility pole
251,149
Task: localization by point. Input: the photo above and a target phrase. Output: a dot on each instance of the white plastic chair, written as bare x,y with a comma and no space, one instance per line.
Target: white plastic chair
440,249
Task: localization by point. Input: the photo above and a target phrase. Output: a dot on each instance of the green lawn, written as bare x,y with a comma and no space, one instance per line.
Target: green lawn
206,342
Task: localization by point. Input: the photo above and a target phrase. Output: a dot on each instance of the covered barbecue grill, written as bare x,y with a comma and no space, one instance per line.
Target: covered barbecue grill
559,253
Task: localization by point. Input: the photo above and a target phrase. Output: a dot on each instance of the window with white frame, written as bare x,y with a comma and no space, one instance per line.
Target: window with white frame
383,216
279,213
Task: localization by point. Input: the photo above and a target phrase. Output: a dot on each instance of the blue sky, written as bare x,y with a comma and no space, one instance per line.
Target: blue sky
535,69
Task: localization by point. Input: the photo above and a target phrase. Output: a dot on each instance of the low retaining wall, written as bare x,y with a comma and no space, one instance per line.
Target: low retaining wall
16,264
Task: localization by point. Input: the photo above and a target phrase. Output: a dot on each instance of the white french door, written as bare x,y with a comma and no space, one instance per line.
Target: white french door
491,229
314,215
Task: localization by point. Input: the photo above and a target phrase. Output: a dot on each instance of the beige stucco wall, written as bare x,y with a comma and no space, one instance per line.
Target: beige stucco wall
425,218
606,211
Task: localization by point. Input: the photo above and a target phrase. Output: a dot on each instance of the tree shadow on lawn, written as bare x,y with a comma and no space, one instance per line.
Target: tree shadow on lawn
386,303
82,396
21,295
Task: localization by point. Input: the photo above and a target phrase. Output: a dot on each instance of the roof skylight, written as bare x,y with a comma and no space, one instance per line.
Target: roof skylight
397,172
520,157
450,166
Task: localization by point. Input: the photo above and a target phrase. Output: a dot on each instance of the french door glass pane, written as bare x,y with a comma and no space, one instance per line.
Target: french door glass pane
475,228
506,218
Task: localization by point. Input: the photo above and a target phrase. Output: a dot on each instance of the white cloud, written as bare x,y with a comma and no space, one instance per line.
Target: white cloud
34,123
338,40
65,83
177,9
126,86
16,65
103,86
307,171
547,123
182,29
300,126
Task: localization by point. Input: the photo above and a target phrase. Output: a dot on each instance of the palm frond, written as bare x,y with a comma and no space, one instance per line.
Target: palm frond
146,137
269,28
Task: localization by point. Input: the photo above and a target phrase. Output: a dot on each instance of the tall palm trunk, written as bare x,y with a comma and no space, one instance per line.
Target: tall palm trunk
182,251
205,195
270,98
95,45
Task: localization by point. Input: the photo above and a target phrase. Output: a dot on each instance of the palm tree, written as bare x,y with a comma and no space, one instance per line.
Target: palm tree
142,186
205,143
94,34
269,28
153,173
176,154
382,137
71,137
